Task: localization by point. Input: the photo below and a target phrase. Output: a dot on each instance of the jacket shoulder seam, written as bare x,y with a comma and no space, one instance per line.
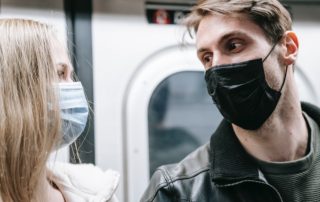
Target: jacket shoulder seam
194,174
169,181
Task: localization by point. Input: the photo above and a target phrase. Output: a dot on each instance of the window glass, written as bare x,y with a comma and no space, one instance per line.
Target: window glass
181,117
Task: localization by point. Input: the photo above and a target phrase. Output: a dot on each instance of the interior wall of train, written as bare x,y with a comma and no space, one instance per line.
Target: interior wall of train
149,99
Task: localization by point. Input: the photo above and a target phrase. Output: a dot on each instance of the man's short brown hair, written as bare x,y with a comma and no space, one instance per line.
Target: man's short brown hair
273,18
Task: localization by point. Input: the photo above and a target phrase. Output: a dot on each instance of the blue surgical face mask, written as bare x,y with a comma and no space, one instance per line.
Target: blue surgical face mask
73,111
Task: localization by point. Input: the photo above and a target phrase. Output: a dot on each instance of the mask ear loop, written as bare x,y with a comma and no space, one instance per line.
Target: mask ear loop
285,75
274,45
284,79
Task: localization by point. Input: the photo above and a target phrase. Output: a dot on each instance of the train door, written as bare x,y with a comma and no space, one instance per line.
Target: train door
168,114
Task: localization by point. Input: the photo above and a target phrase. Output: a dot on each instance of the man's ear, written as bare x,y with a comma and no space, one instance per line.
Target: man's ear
291,45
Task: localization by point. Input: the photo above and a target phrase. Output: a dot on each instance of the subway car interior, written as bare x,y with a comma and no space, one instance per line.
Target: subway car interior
144,82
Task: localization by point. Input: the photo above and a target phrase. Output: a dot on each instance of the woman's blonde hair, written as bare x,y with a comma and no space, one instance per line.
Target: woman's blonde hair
29,113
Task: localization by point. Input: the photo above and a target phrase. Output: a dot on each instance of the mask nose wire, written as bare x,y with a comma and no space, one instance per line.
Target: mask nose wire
274,45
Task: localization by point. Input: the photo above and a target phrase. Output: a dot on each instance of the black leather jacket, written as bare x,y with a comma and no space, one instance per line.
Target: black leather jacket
217,172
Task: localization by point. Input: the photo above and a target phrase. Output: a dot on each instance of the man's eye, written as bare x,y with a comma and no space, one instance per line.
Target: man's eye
234,46
207,60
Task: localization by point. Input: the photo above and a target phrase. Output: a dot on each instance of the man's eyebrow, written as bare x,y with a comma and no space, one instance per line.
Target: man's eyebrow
232,34
201,50
224,38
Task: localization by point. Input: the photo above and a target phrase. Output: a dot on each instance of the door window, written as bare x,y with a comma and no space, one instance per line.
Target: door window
181,117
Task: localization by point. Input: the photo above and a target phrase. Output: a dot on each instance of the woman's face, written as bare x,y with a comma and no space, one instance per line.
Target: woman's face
62,62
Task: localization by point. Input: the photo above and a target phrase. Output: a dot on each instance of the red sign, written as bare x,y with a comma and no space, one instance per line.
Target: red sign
161,17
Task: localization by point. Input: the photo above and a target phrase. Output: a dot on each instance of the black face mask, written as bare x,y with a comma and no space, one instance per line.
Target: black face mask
241,92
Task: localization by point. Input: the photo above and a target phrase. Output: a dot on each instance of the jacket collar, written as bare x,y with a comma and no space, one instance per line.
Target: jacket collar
230,163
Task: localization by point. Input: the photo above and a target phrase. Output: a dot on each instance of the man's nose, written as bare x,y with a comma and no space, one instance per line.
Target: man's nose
219,59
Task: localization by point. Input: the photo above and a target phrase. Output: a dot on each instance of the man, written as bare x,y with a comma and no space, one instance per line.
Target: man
266,148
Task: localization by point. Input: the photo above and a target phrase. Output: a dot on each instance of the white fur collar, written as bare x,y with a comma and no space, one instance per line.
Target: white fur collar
84,182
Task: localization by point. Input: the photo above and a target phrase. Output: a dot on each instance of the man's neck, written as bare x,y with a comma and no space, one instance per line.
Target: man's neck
283,137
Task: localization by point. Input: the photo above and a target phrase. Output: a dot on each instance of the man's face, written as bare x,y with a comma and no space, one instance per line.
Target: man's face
223,39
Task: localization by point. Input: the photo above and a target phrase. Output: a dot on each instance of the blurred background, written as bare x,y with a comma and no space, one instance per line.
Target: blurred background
146,89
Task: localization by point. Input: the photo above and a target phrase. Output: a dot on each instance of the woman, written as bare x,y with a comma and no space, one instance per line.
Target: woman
41,110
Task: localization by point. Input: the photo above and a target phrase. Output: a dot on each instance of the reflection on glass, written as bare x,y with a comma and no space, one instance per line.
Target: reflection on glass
181,117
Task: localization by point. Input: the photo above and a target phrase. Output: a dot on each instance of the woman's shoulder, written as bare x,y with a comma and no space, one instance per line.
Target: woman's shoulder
84,182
